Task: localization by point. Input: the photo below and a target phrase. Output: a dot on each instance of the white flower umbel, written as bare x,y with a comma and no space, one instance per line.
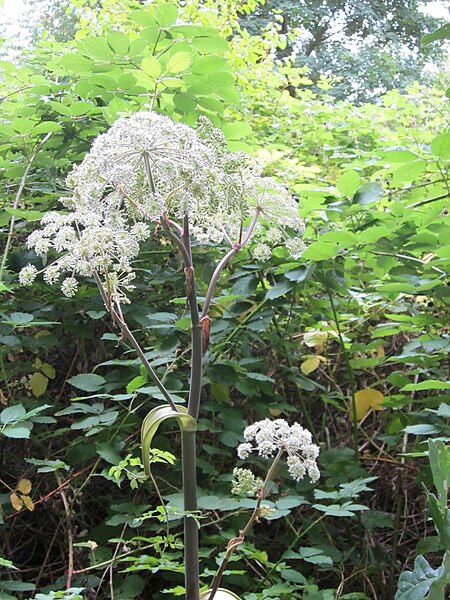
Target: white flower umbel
148,168
267,438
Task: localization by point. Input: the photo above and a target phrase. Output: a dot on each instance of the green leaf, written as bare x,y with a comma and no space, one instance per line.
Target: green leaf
136,383
211,44
439,457
279,289
209,64
16,432
348,183
368,193
151,66
314,556
47,126
7,563
154,419
438,587
440,146
12,414
236,130
179,62
88,382
166,15
118,42
430,384
77,63
443,33
408,172
414,585
422,429
26,215
184,102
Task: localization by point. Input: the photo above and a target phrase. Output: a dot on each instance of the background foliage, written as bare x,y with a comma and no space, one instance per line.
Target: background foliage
351,339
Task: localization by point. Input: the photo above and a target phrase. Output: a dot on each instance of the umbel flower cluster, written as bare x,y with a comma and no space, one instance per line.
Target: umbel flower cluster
267,438
149,169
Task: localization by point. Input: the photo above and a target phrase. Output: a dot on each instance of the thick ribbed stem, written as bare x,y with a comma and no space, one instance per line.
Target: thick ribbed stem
191,559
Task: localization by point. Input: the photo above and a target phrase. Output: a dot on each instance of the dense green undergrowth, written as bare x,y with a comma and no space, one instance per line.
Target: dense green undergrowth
350,340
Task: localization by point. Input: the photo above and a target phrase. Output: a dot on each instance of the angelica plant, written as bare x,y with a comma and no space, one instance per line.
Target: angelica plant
149,171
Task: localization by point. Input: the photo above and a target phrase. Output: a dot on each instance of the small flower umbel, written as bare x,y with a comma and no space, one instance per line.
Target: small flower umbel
269,439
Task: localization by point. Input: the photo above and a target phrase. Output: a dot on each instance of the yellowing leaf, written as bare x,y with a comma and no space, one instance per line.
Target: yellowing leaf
365,400
16,501
28,502
38,384
24,486
275,412
315,339
377,352
310,365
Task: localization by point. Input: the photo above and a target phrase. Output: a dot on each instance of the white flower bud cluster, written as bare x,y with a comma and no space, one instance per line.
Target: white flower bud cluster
268,437
144,169
245,483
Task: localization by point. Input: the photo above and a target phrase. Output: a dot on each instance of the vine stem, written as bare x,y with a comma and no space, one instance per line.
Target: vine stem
16,202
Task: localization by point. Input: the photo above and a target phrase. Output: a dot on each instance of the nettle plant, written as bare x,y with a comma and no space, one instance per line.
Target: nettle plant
147,175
